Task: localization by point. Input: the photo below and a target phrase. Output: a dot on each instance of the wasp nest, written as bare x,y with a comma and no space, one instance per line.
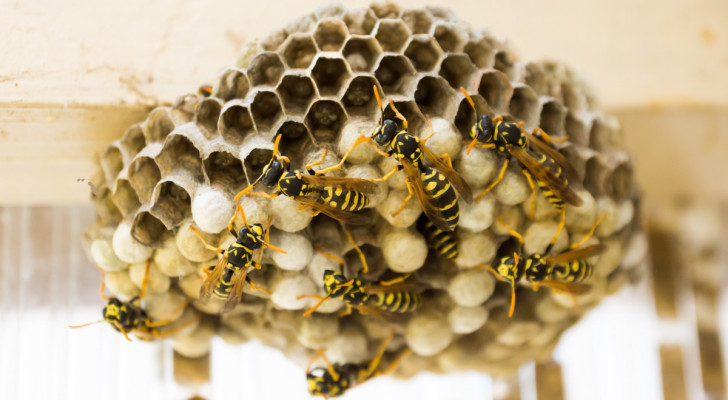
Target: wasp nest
312,81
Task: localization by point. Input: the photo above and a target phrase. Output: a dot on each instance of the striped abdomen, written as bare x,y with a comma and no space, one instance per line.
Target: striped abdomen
573,271
443,195
397,302
544,188
442,241
224,285
344,199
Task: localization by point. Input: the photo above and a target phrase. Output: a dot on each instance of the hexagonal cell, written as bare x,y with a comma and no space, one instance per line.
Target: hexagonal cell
465,117
223,168
361,53
105,208
265,69
255,161
442,13
325,119
385,9
359,97
395,73
424,52
596,176
125,198
266,110
553,118
330,34
158,125
143,177
296,93
295,137
535,78
622,180
481,52
524,105
298,51
576,130
183,110
274,40
111,162
418,20
234,84
330,75
208,114
235,122
434,97
147,229
133,140
504,63
457,70
495,87
411,111
450,37
360,21
172,205
601,135
179,153
392,34
573,99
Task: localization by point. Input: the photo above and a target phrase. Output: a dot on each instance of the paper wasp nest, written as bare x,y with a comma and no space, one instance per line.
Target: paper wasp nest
312,81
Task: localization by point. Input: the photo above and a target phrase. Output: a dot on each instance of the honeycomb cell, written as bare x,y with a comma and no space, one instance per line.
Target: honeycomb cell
424,52
266,111
358,100
600,135
133,140
360,21
295,137
535,77
504,63
595,176
158,125
235,122
125,198
573,100
265,69
450,37
111,162
172,204
576,130
184,108
395,73
234,84
179,154
361,53
411,111
392,34
105,208
524,105
433,97
553,118
325,119
465,116
385,9
208,114
298,51
495,87
481,52
255,161
224,169
274,40
418,21
296,93
147,229
457,70
330,34
143,175
622,179
330,75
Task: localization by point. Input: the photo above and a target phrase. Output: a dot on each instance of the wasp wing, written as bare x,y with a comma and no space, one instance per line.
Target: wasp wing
453,176
577,254
209,284
354,184
400,287
343,216
236,293
542,173
428,205
566,287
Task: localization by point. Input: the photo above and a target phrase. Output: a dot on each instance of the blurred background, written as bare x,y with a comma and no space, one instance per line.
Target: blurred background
73,79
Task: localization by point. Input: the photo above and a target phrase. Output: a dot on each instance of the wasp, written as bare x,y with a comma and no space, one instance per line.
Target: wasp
564,272
339,198
205,90
433,184
130,317
547,168
442,241
335,380
226,280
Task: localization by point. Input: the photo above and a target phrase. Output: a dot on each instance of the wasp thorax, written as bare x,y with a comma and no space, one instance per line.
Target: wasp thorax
273,172
385,133
251,237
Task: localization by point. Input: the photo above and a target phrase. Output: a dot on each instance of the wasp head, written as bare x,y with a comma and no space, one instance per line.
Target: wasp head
385,133
119,315
332,280
273,171
483,130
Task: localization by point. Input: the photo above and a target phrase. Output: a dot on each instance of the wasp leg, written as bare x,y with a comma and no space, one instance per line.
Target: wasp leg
497,180
207,246
361,139
332,371
365,266
533,192
395,363
494,272
103,283
175,314
144,280
267,196
329,255
159,335
395,280
374,364
406,199
562,221
589,234
497,119
313,164
547,138
447,158
398,167
253,286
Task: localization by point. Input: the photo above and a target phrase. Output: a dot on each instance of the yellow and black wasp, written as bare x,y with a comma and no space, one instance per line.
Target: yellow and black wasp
129,317
548,168
205,91
335,380
442,241
339,198
564,272
432,184
226,279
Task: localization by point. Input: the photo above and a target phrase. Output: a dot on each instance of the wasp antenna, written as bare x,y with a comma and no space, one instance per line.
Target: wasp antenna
274,248
144,280
397,113
242,214
513,298
379,102
122,330
277,143
103,283
470,100
310,311
84,325
510,230
334,375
